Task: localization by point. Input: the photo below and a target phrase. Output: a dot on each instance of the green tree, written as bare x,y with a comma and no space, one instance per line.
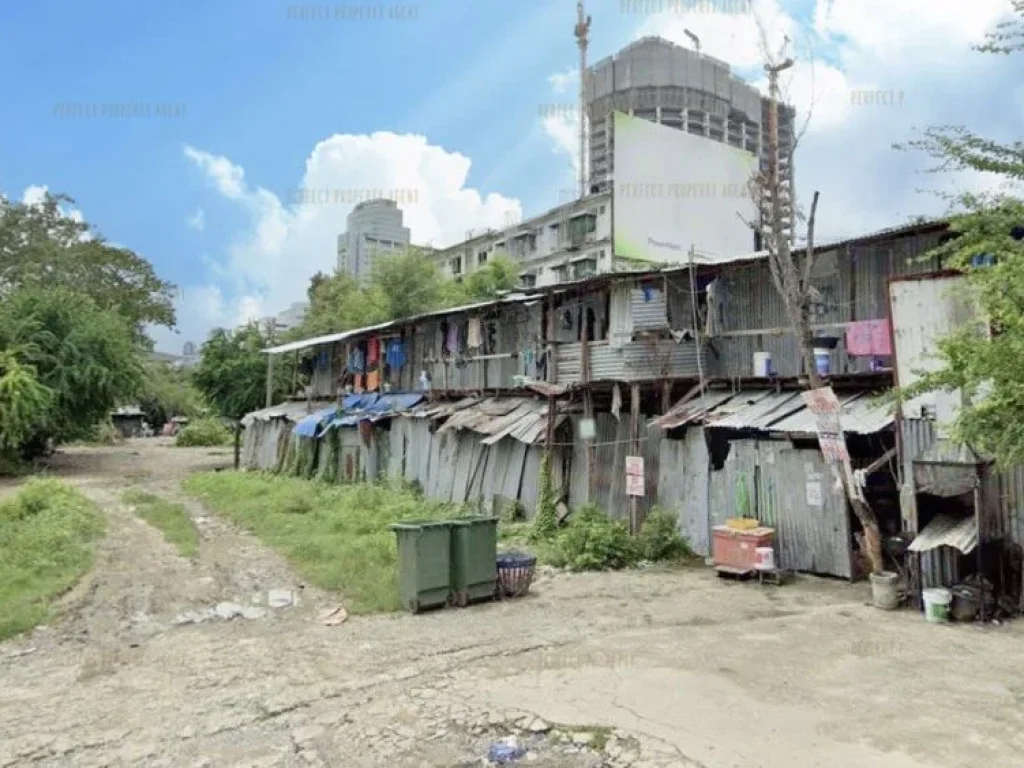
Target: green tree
232,371
498,275
86,356
41,247
983,366
168,392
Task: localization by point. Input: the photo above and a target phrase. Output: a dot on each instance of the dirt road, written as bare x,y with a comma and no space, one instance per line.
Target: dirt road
641,668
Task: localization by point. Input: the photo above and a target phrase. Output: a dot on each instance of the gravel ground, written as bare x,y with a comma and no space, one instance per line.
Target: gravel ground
651,668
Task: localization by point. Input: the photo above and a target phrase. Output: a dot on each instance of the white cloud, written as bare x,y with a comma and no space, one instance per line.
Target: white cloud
35,194
919,51
269,264
197,220
562,82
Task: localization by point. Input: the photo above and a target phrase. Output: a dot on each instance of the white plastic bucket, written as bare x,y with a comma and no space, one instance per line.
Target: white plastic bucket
764,558
822,361
936,604
763,364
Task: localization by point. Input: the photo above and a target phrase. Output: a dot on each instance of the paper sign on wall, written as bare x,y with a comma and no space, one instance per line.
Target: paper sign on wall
824,404
635,465
814,496
634,485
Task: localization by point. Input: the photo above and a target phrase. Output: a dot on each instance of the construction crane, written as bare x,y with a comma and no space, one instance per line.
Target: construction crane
582,32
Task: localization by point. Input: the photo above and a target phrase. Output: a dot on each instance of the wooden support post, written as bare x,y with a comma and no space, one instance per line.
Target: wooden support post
634,435
552,372
550,436
270,381
588,399
666,396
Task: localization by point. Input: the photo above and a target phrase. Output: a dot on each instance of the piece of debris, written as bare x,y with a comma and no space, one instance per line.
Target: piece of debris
280,598
539,726
22,652
582,738
505,751
332,617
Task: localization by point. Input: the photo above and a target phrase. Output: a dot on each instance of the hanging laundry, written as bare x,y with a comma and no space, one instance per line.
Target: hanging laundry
616,401
372,352
474,336
372,381
868,338
528,359
356,362
394,354
452,342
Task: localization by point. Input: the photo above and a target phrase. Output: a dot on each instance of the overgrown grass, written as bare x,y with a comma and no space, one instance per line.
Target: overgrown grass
47,535
203,433
172,520
335,536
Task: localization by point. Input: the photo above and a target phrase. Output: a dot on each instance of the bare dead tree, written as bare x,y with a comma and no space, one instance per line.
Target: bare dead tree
792,270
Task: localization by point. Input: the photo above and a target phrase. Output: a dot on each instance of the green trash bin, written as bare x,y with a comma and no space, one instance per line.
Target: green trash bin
474,559
424,563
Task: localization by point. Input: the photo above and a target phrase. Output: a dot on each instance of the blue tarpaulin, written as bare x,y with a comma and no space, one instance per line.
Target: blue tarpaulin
307,427
371,407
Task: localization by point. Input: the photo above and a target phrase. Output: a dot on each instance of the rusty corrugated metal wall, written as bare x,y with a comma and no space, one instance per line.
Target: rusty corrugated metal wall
852,283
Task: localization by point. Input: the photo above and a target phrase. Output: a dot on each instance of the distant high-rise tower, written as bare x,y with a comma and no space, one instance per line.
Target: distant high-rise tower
374,226
665,83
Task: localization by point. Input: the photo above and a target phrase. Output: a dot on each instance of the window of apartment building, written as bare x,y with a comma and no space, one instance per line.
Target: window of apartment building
481,258
528,281
457,265
601,210
584,267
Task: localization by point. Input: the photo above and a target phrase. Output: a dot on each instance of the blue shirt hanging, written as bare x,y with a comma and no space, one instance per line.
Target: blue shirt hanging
394,354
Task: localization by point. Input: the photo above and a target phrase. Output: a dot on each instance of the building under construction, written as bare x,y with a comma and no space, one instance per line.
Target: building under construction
657,80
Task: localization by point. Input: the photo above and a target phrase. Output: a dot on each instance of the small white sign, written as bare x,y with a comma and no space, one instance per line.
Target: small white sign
635,485
635,465
814,497
588,429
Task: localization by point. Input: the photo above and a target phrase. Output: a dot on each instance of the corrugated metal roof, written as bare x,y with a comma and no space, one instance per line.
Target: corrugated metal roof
293,411
691,411
861,415
372,407
331,338
758,411
496,417
308,426
947,531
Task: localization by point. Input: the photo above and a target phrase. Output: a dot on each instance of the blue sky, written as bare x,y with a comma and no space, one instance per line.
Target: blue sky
255,104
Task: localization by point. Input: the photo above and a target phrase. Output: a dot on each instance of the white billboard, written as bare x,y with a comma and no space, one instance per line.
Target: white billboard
674,190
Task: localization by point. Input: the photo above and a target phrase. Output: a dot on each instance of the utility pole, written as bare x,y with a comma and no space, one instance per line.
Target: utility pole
582,31
778,176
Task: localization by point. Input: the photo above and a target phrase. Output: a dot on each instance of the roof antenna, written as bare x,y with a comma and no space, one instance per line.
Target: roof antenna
581,31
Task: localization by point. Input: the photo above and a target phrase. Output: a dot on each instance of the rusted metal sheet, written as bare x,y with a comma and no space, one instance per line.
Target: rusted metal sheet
636,361
944,530
924,311
754,410
691,410
683,486
862,414
649,306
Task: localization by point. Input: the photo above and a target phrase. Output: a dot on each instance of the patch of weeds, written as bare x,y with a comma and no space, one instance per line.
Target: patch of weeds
172,520
341,541
594,542
204,433
48,532
660,540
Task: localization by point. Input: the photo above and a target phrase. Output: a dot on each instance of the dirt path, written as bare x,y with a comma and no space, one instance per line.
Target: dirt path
697,671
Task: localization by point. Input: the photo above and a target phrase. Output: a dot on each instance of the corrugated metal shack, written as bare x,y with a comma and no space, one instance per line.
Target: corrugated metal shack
607,342
477,449
940,509
754,454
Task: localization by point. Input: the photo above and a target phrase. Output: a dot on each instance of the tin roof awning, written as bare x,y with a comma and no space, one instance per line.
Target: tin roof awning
947,531
861,415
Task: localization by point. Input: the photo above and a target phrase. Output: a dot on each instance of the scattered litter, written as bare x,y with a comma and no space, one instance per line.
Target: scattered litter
332,617
223,611
280,598
539,726
505,751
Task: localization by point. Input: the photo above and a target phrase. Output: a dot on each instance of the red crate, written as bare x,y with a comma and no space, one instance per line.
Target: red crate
737,549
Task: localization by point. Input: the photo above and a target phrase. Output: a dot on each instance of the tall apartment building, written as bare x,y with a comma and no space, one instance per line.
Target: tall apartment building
668,84
652,79
373,226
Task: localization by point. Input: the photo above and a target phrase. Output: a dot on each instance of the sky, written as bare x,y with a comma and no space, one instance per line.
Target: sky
227,140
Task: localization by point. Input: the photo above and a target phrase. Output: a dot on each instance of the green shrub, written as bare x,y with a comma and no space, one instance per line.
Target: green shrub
593,542
105,433
203,433
659,537
545,523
